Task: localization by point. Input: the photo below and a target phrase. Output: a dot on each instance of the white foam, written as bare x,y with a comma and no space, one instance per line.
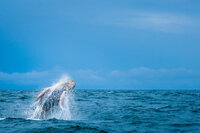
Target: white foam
2,119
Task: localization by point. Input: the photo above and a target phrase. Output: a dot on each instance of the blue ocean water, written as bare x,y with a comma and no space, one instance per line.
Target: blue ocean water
101,111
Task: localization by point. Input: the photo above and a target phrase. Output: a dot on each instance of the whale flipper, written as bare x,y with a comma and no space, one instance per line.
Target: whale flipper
61,100
42,93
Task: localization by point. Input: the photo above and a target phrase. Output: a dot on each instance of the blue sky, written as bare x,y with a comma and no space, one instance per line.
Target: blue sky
101,44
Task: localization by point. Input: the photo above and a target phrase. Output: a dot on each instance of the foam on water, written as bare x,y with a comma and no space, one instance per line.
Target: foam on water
2,119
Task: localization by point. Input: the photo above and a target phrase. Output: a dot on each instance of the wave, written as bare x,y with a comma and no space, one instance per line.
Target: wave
31,119
50,125
2,119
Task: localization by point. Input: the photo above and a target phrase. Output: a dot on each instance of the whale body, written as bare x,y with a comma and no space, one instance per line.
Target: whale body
51,98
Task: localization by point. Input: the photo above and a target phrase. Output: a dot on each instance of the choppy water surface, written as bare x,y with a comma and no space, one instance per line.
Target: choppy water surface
106,111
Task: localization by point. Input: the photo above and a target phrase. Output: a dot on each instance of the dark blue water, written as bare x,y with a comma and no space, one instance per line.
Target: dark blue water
107,111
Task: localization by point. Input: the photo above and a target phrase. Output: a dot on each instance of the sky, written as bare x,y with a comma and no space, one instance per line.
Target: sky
101,44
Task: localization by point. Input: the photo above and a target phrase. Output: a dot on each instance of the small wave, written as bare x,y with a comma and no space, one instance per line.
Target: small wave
74,128
24,97
2,119
196,110
1,100
33,119
185,124
12,118
28,119
8,119
88,128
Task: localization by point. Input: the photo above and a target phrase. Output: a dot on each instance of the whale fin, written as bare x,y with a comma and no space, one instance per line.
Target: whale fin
61,100
42,93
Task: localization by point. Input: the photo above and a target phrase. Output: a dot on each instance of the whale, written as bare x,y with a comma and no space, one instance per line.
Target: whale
51,98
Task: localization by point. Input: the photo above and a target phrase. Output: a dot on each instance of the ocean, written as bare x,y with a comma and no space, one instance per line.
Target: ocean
106,111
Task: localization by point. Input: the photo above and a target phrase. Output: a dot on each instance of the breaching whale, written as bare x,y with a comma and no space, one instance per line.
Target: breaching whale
51,98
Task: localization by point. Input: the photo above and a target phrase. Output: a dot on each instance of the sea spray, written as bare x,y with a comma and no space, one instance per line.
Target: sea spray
66,113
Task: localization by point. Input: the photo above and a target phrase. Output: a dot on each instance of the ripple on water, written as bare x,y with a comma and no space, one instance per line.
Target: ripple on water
108,111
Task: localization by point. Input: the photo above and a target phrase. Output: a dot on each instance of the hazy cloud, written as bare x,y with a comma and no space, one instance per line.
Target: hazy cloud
158,78
156,73
156,21
33,78
49,77
134,78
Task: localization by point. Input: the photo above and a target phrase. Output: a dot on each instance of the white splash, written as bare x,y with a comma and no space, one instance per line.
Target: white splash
60,80
69,107
2,119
